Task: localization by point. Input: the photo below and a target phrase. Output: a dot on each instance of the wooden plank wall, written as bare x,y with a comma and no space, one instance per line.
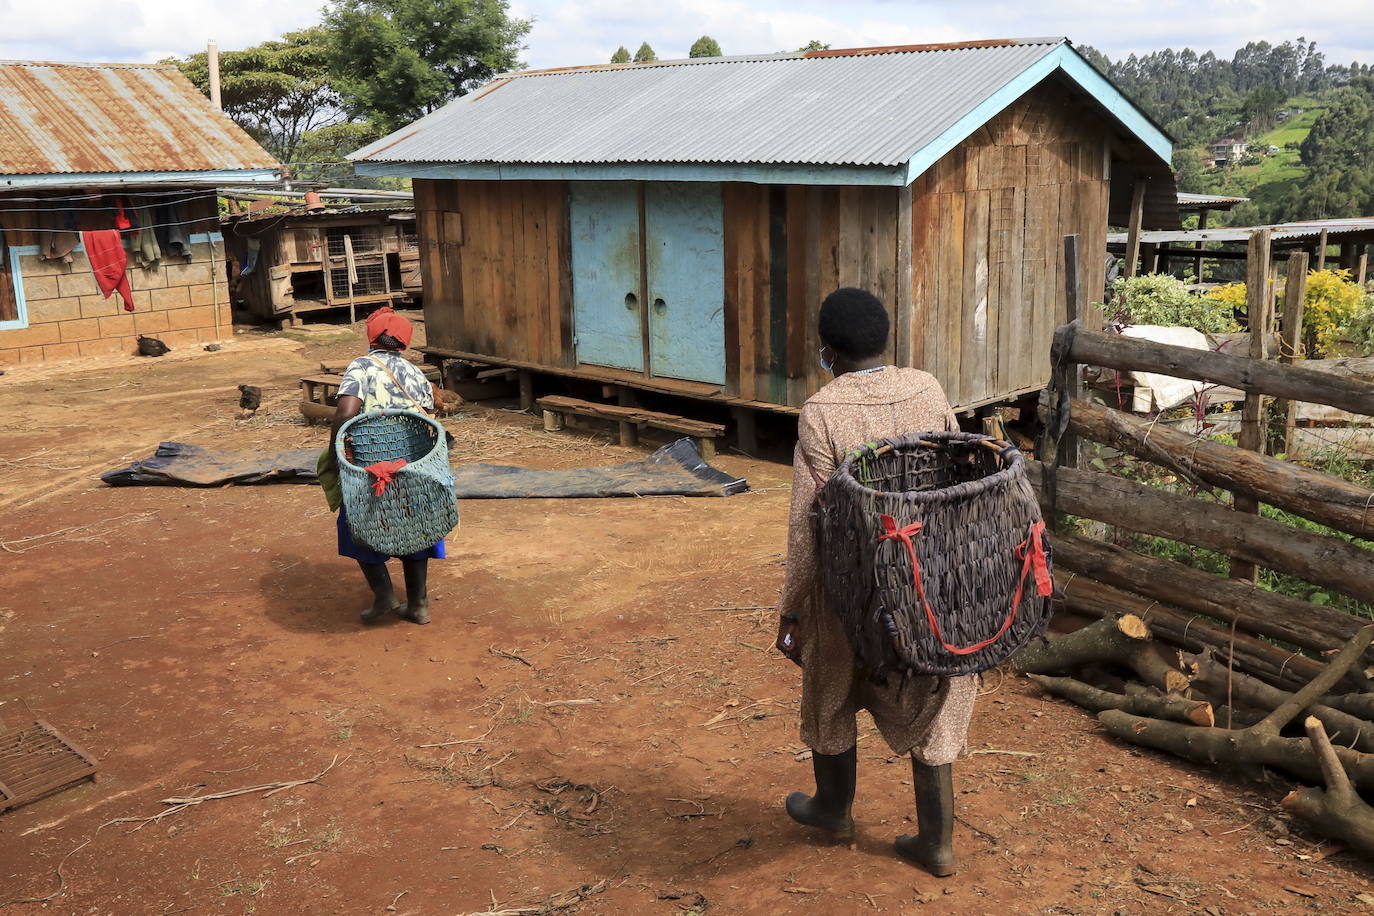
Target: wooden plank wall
987,222
786,248
495,257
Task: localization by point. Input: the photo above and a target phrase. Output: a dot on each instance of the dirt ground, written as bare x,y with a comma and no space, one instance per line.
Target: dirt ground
593,723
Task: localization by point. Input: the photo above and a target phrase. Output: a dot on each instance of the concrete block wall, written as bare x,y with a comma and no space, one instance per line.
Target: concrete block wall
68,318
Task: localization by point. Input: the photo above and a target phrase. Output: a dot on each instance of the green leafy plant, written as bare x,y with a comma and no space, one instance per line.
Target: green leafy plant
1359,330
1160,299
1332,301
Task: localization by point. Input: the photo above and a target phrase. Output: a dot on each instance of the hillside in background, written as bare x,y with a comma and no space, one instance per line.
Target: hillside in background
1308,127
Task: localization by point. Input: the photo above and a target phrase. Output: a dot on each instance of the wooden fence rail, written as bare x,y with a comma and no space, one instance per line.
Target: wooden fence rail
1319,497
1263,613
1320,559
1297,383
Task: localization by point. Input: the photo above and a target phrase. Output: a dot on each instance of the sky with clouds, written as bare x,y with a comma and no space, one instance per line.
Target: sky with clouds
570,32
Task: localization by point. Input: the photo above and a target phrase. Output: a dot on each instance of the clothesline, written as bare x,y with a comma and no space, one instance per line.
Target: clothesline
111,192
184,222
134,204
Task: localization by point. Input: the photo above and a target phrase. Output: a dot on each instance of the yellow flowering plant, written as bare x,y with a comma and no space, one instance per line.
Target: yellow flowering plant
1332,302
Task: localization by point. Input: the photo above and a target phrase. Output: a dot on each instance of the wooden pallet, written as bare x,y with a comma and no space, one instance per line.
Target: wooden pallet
631,420
36,759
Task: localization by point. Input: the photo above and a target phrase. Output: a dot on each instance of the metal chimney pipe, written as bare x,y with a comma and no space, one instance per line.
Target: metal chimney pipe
212,61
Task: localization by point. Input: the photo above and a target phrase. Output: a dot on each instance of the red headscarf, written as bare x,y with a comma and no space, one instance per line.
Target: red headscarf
386,321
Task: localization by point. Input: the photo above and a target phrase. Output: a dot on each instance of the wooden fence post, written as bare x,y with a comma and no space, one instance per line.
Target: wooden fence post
1259,311
1073,298
1321,250
1290,344
1197,261
1133,230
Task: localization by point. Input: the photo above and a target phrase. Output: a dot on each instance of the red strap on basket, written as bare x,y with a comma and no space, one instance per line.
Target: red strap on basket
1034,557
385,472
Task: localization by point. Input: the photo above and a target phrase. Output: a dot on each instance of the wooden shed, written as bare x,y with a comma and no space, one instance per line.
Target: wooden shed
674,226
133,153
301,262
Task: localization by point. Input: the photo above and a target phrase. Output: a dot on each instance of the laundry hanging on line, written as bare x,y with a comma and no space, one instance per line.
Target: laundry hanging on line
109,264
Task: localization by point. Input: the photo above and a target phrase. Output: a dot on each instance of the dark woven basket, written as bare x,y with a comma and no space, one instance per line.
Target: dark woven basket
962,505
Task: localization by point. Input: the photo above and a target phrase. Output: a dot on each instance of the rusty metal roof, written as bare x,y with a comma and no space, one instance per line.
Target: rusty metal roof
115,118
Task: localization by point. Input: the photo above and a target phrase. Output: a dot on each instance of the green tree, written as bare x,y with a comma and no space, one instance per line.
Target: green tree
705,46
396,60
814,45
621,56
645,53
1260,109
321,155
277,91
1189,172
1339,155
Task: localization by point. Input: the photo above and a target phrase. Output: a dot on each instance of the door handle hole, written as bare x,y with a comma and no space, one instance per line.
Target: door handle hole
631,301
660,305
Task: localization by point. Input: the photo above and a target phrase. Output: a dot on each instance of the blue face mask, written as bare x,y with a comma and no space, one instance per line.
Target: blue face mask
826,364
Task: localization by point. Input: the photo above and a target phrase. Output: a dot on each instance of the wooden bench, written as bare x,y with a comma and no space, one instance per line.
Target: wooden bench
319,393
631,420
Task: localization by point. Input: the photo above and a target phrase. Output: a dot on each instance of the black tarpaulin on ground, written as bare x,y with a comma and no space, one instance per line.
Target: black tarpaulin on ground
674,470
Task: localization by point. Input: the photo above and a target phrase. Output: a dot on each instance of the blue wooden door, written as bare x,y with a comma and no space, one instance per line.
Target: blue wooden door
683,225
608,324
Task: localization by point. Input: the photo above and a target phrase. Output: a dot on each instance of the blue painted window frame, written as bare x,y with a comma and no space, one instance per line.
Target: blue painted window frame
17,278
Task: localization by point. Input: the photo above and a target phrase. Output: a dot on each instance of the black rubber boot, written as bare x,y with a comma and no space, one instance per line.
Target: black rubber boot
829,808
417,592
933,846
383,595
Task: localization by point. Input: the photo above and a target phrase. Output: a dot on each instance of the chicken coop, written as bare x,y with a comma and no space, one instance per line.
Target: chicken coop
294,264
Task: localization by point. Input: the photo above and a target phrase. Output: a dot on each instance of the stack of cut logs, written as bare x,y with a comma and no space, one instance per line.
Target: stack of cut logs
1207,712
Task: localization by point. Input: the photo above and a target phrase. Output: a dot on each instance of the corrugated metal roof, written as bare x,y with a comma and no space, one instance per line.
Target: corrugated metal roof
863,107
104,118
1210,201
1307,229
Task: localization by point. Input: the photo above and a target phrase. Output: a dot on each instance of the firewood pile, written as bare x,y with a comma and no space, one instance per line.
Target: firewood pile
1203,710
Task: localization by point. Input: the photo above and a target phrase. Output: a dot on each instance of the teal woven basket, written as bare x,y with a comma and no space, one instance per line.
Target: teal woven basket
416,509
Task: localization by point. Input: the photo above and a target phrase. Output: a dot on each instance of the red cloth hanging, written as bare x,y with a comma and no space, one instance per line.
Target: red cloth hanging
109,263
385,472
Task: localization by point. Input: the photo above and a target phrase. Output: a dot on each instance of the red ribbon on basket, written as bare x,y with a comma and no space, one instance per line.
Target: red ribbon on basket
1033,558
385,472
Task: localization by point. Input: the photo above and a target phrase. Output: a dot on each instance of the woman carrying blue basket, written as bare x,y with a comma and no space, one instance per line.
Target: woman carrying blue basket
381,380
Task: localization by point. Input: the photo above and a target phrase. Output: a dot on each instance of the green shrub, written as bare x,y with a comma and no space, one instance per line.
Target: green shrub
1359,327
1160,299
1331,303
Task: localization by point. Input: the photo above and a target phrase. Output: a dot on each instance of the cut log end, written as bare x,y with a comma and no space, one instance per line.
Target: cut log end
1133,626
1202,714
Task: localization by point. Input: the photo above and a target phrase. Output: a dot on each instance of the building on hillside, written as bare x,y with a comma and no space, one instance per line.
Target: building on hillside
308,261
673,226
125,158
1226,151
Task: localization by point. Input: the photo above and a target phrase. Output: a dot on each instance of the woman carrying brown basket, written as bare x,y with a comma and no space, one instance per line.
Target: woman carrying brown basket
926,717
